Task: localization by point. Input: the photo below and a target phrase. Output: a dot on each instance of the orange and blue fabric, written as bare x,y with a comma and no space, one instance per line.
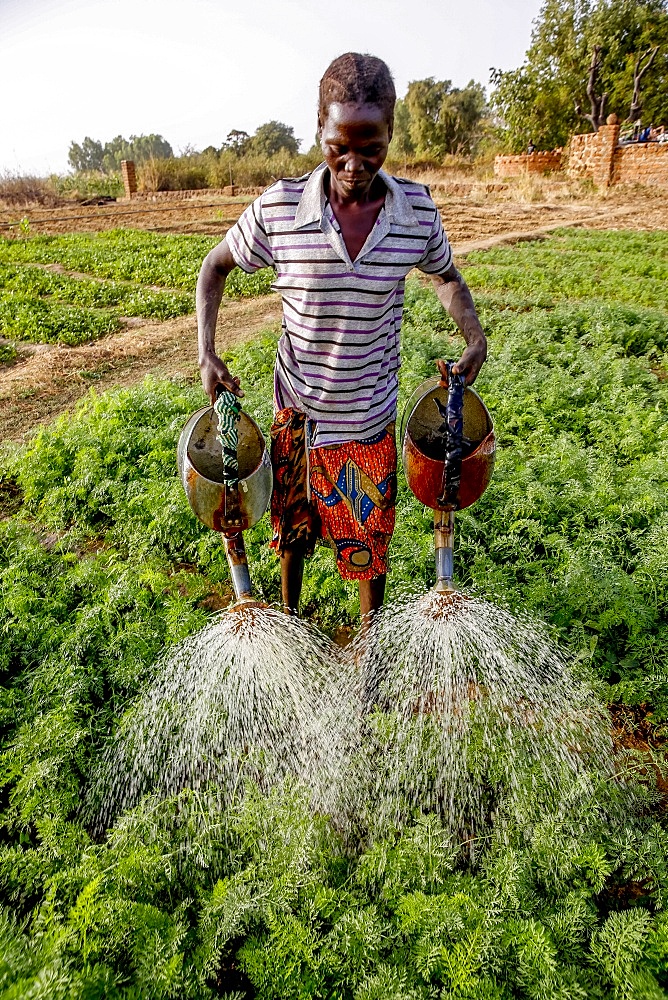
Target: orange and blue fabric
350,502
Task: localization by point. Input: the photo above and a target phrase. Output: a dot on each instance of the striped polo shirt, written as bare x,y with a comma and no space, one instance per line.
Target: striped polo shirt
338,355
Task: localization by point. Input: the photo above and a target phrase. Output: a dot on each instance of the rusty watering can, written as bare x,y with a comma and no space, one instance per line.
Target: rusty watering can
224,508
447,449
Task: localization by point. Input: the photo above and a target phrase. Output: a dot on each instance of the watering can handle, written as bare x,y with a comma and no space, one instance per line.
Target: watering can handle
452,467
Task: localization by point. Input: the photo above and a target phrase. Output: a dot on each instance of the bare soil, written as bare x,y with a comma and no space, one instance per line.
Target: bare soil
470,211
51,378
48,379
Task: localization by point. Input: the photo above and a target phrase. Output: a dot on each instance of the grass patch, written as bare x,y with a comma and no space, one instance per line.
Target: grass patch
171,261
621,267
40,305
8,352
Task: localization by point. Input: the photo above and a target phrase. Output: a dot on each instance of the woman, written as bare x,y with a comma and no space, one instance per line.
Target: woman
342,240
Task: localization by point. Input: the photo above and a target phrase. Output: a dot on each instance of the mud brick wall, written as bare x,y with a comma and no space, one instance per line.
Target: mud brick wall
592,155
641,163
528,163
582,155
129,175
188,195
598,157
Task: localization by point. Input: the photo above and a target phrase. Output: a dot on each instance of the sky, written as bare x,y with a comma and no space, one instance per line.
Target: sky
193,70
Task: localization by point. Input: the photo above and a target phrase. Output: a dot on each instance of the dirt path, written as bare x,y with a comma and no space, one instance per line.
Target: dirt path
209,216
54,377
608,220
470,211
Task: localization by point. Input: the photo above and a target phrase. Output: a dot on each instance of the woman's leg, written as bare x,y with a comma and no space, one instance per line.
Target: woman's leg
372,593
294,517
292,574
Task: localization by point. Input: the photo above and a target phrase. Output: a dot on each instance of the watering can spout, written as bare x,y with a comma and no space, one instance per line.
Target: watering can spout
235,550
444,540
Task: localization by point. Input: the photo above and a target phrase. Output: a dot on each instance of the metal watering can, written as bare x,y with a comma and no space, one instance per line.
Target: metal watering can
224,508
447,449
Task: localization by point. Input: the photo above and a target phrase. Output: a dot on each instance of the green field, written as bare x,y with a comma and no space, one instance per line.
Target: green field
132,273
102,564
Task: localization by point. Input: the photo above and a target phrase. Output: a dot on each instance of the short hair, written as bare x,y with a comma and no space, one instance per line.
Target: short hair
354,78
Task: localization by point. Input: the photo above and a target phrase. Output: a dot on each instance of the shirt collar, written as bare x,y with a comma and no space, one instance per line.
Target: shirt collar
312,202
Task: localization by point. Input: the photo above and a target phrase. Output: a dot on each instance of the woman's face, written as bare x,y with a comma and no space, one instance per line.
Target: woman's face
354,140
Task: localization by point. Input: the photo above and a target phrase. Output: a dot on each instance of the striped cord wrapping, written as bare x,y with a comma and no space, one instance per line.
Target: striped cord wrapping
227,408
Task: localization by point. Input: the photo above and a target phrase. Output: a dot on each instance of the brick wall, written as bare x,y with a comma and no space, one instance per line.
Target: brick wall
597,156
592,155
641,163
528,163
581,155
186,195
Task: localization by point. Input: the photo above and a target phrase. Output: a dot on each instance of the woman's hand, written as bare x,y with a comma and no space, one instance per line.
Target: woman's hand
469,364
215,372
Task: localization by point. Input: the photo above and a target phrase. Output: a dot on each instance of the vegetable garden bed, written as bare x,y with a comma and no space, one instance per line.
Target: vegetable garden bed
137,274
102,564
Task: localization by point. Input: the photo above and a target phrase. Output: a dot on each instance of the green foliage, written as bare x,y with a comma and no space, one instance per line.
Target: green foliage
8,352
39,305
27,318
620,268
402,143
88,184
102,565
92,155
440,119
537,100
237,141
130,255
122,254
273,137
32,284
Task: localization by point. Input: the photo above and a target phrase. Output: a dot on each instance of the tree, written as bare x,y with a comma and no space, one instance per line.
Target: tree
273,137
139,148
402,144
627,29
237,140
537,100
643,62
92,155
87,156
443,119
597,104
584,49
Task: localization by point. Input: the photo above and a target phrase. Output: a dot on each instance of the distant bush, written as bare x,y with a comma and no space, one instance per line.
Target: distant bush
209,169
88,184
213,169
21,191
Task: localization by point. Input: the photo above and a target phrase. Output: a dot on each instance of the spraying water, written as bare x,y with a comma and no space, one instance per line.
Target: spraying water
246,698
469,711
446,703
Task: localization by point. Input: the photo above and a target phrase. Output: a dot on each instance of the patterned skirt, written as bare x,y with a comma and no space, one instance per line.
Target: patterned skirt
344,494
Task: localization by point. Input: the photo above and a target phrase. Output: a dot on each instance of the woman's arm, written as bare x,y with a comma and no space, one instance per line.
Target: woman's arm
210,284
455,297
